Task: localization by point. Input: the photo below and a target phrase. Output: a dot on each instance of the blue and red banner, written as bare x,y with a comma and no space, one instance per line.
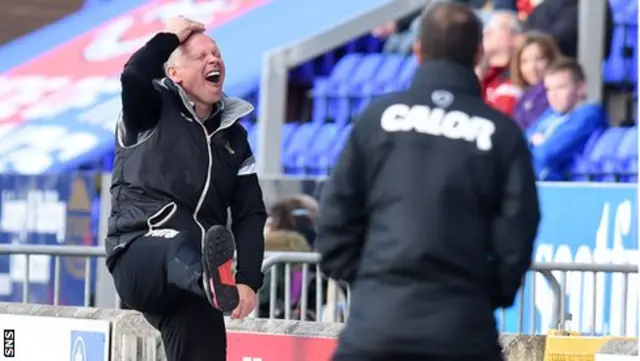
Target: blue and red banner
59,109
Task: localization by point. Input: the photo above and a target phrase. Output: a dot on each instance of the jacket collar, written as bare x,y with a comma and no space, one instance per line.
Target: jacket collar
448,75
230,109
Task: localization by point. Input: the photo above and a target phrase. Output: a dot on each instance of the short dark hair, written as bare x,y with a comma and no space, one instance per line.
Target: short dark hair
450,31
567,64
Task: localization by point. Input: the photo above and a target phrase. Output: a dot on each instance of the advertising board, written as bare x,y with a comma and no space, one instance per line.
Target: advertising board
36,338
586,223
244,346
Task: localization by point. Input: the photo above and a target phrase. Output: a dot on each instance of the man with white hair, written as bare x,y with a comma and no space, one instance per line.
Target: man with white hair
502,35
181,162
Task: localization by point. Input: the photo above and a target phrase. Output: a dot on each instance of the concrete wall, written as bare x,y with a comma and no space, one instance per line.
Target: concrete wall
133,339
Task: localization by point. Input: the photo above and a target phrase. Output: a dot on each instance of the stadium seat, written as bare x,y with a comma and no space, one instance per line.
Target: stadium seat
405,76
599,162
580,168
287,130
294,153
322,144
627,155
327,160
618,67
351,90
387,73
324,88
626,12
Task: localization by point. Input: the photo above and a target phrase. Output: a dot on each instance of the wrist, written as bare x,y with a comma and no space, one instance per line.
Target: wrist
254,281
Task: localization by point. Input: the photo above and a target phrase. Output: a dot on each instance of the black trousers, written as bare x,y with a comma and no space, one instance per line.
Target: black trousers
159,275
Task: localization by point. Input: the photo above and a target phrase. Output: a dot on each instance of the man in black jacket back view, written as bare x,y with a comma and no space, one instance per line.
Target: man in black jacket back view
431,211
182,160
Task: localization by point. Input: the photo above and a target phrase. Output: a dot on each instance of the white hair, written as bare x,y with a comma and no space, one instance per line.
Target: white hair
172,60
515,23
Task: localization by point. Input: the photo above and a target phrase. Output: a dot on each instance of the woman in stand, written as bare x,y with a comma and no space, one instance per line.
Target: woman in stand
528,66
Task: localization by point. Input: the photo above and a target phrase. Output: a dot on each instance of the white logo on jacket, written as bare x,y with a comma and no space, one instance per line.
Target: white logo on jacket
453,124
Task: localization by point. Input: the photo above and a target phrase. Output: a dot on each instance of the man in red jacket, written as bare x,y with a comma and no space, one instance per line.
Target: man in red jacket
501,37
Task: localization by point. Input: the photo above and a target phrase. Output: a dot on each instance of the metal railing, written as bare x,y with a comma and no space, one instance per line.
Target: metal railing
327,306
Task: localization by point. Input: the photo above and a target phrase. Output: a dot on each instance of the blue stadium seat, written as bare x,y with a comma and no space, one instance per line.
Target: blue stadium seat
295,151
324,88
322,144
599,163
327,160
287,131
350,90
405,76
628,13
580,169
618,8
387,73
617,68
627,156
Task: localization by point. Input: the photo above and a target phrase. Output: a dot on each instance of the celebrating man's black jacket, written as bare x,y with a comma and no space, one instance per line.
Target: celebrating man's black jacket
169,173
431,214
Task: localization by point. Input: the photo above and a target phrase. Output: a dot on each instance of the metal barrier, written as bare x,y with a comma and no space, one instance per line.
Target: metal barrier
304,260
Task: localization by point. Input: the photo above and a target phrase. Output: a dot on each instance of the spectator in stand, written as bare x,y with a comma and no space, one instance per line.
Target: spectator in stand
502,36
559,18
528,66
562,131
400,34
289,228
295,213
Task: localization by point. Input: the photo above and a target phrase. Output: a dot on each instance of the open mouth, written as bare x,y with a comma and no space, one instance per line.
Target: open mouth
213,77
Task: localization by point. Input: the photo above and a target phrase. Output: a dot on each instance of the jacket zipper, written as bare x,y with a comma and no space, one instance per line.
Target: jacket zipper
207,183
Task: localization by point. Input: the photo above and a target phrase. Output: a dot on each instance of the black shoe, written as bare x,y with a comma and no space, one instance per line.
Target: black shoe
217,263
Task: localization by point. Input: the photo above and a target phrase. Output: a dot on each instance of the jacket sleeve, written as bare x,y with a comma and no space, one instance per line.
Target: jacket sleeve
248,216
342,218
140,100
567,138
515,224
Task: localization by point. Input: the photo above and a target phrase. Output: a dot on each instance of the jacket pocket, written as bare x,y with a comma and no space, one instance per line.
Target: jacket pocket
162,216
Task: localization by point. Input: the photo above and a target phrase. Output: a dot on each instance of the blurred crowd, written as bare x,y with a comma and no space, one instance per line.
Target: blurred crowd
530,72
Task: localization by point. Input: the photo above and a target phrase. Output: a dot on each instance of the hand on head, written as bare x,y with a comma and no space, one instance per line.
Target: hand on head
183,27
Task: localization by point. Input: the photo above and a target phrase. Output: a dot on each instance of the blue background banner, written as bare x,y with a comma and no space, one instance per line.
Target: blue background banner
48,209
585,223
